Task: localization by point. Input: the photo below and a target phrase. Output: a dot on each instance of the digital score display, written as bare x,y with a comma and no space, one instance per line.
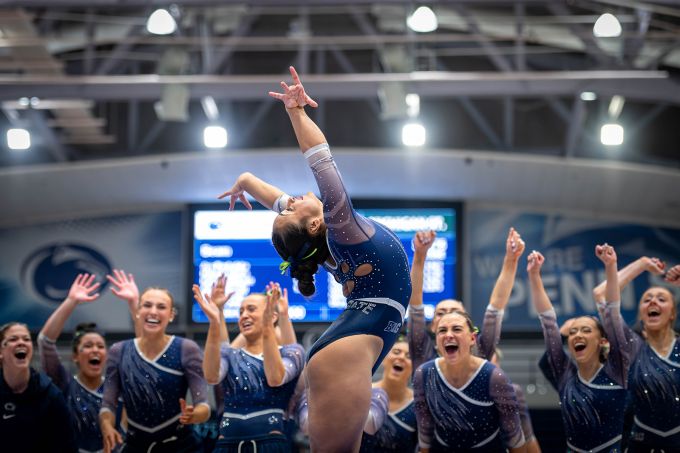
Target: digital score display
238,244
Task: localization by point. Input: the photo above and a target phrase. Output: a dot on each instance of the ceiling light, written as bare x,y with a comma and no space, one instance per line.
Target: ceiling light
412,105
413,134
423,20
607,26
611,134
215,137
18,139
588,96
616,106
161,23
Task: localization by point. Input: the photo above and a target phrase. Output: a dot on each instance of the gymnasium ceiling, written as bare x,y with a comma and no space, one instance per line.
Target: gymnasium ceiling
87,79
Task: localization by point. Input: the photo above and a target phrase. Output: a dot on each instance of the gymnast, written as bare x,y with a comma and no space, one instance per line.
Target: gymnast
257,381
592,382
398,432
152,374
84,391
654,378
365,257
464,403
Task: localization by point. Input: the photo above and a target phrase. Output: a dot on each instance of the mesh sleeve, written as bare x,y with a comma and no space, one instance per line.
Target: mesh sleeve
420,344
225,350
51,364
620,349
555,361
192,363
423,415
491,332
293,356
524,417
112,382
505,400
302,413
377,412
345,226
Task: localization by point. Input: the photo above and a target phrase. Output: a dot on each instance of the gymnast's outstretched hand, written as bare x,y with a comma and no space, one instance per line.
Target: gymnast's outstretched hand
294,96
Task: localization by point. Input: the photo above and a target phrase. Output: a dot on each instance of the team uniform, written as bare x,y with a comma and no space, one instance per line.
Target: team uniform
36,420
480,416
254,412
377,303
83,403
592,410
398,434
654,386
422,346
151,390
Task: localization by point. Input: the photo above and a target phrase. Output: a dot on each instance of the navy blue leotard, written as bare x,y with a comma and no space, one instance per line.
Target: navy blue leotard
377,302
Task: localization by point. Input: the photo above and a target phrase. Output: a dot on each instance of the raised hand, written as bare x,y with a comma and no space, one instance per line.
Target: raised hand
211,310
654,265
124,286
423,240
673,275
294,96
283,303
237,192
534,262
187,416
273,292
606,254
217,294
82,288
514,245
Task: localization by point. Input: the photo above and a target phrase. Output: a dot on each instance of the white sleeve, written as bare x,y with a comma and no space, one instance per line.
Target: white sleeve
281,203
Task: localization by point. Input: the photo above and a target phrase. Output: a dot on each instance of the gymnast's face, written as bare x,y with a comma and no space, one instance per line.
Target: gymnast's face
657,309
585,340
304,209
454,338
16,349
90,355
250,315
397,364
155,311
444,307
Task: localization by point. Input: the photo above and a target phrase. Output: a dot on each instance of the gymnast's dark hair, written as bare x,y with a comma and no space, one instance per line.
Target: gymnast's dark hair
83,329
302,251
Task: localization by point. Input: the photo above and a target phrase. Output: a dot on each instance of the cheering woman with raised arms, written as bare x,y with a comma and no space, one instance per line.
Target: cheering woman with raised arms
364,256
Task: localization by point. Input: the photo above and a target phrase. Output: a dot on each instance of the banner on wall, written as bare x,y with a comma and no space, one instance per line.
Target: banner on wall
40,262
571,269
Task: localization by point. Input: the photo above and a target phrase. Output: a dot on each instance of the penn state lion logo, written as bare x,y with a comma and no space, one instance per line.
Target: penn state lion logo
47,273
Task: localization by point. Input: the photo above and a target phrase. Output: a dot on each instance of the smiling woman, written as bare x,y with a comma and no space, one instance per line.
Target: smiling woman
34,413
84,391
257,381
152,374
592,383
463,401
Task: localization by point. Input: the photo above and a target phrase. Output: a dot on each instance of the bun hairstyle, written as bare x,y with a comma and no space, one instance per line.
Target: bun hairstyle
83,329
302,253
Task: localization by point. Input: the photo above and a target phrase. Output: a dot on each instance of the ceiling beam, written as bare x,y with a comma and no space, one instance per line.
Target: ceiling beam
162,3
640,85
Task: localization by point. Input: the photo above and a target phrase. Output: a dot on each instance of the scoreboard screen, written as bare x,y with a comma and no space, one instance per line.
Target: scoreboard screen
238,244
